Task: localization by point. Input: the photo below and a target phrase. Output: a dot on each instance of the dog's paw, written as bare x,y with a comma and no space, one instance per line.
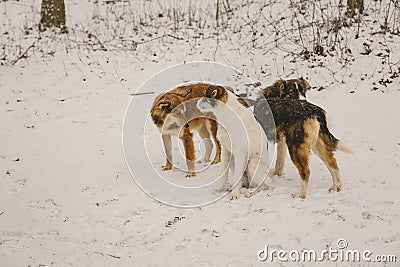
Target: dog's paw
298,195
215,161
278,172
249,194
254,192
234,196
204,160
335,187
190,174
167,167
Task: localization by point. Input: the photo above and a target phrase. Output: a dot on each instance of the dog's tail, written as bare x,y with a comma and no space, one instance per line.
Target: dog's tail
328,138
342,147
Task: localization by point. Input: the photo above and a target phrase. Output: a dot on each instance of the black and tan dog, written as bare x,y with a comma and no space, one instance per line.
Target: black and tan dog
170,112
301,127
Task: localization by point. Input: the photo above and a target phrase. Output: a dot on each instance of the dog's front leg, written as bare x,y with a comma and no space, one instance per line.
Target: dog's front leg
235,193
168,151
240,161
188,144
226,159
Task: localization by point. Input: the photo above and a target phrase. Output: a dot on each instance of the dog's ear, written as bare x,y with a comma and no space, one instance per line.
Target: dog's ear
187,92
282,84
164,104
304,82
299,85
304,86
230,89
208,91
307,85
213,91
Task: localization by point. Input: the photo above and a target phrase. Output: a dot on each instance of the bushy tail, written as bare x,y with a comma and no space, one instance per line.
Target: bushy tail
328,138
342,147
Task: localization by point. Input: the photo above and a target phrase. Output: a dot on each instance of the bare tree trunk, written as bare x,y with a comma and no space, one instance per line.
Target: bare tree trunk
353,5
52,14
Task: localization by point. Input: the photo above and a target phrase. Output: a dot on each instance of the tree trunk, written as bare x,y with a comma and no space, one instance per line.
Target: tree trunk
52,15
353,5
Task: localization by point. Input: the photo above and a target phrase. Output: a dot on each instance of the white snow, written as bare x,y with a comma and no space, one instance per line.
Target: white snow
67,198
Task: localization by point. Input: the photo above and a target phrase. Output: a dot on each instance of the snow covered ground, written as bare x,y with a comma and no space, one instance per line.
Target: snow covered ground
66,196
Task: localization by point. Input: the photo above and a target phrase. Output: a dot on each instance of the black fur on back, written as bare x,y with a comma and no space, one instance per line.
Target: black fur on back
289,116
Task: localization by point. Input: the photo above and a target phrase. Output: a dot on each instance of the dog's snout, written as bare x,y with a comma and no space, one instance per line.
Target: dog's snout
173,126
157,120
200,103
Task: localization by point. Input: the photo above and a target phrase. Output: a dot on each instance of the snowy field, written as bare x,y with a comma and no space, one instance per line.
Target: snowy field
66,195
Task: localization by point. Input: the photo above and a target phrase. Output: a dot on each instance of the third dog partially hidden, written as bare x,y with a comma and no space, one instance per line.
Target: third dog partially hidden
287,89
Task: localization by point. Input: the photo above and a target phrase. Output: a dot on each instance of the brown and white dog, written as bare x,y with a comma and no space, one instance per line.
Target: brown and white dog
170,112
301,127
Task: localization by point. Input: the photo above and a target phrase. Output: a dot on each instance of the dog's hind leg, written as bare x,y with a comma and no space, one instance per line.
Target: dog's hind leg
299,156
325,153
205,136
259,182
300,139
258,168
188,144
261,187
168,151
280,158
212,127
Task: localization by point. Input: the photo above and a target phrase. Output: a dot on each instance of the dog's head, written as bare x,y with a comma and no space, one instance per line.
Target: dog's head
275,90
213,97
175,120
289,89
164,105
300,85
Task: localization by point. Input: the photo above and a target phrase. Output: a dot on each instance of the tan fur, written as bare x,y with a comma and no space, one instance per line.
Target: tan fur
300,156
205,126
301,127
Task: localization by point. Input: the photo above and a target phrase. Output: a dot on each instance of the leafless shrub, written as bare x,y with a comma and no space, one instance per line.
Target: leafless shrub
302,29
